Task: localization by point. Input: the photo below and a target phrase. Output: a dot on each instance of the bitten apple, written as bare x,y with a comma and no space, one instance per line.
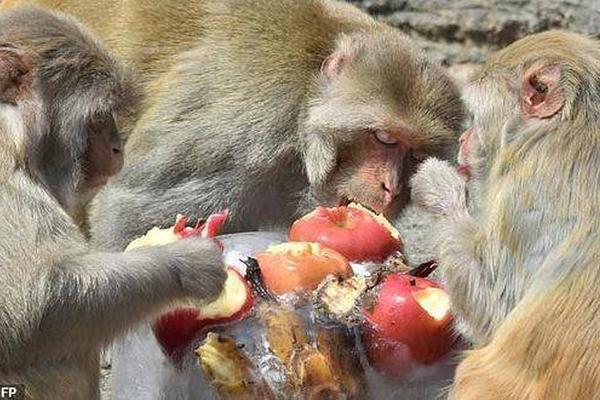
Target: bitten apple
205,229
355,232
407,324
176,329
297,267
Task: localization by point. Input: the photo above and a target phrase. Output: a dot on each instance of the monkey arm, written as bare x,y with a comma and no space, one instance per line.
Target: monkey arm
99,295
479,299
479,304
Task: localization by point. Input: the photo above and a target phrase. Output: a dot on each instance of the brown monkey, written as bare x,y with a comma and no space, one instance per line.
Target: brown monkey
267,107
524,273
60,303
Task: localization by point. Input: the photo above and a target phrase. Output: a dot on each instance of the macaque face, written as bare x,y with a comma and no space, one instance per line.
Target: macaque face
103,156
374,170
382,109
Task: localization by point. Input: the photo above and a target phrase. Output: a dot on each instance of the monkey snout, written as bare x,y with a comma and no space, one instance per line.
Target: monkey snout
391,185
389,192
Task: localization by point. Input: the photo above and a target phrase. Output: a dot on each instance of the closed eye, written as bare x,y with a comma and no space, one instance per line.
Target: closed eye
385,138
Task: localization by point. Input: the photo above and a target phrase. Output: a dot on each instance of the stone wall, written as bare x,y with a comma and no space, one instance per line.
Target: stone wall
465,31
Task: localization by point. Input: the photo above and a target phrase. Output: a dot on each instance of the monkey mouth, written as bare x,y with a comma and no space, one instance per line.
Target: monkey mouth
345,201
464,170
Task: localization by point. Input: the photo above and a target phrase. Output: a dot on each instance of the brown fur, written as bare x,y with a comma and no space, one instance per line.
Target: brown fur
523,270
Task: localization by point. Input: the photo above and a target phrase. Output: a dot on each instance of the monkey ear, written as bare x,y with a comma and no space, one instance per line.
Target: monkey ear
335,62
15,72
541,92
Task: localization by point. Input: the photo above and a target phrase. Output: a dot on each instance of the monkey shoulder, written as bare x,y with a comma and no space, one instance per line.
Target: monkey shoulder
33,226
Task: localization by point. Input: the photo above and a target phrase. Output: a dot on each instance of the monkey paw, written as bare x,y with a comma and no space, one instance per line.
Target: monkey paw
439,188
199,267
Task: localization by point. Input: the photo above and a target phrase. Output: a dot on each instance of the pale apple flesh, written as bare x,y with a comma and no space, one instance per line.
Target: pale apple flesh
178,328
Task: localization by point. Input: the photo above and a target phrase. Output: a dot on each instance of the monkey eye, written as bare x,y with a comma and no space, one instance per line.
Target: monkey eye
386,138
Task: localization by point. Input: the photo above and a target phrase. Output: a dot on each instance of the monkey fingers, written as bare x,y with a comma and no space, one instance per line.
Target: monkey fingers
439,189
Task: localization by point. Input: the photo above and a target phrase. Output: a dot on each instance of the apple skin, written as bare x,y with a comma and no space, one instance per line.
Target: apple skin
175,330
353,232
299,267
398,333
205,229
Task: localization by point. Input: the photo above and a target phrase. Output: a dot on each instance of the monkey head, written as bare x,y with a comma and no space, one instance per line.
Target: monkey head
380,109
524,96
73,143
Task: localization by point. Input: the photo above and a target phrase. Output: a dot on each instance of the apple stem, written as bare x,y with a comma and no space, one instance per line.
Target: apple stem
424,270
413,282
254,276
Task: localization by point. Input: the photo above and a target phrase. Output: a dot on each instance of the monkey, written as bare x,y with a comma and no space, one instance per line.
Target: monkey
522,270
61,92
267,108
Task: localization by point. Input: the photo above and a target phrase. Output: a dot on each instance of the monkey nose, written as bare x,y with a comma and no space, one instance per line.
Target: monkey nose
117,161
390,191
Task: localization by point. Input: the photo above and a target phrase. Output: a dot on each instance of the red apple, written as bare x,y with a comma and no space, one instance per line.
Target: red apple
204,229
353,231
407,323
176,329
298,267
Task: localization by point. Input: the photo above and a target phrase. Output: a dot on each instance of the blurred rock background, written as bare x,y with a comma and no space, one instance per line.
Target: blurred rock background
461,33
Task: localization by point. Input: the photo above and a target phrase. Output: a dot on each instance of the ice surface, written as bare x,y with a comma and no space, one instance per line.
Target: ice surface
141,371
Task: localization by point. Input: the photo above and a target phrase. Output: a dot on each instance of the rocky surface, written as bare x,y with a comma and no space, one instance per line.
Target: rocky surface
465,31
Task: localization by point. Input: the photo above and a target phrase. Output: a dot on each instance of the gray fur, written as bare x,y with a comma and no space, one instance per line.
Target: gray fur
245,120
60,303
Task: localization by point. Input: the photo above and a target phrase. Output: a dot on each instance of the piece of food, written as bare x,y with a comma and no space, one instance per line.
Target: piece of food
285,329
338,346
204,229
230,370
395,264
299,267
354,231
176,329
320,362
408,323
340,299
161,236
311,375
257,281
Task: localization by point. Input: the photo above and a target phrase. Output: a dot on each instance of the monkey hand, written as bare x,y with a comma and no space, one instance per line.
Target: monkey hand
439,189
198,267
